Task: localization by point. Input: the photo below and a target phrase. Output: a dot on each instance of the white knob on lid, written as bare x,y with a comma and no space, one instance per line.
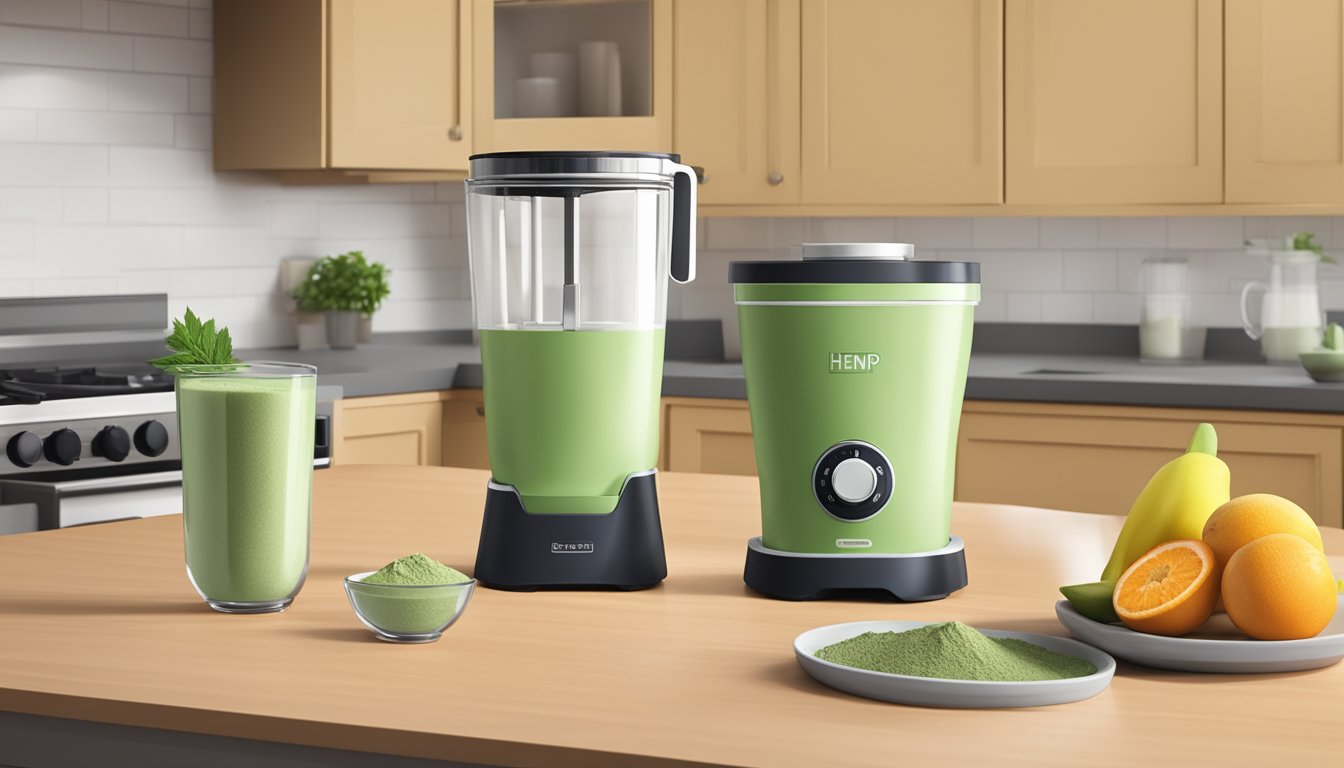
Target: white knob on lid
869,251
854,480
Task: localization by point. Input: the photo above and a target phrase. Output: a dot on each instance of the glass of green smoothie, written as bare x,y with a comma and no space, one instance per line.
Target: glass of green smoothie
247,475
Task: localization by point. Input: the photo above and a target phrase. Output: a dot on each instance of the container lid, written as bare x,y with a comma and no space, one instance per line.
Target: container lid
493,165
854,263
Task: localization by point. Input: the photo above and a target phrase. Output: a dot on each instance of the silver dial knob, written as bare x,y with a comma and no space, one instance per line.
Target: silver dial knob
854,480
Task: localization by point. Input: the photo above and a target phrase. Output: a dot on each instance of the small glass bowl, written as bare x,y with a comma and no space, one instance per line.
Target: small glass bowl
407,613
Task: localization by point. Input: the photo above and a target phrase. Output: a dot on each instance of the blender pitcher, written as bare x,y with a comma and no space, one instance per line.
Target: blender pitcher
1291,321
570,255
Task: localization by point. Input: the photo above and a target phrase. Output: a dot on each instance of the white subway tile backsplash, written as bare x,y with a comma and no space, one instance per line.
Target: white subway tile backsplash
93,14
144,281
291,220
1089,271
1016,270
1205,232
42,13
1287,226
128,128
62,48
146,167
1066,308
867,230
173,56
1024,307
192,131
735,234
191,283
1005,232
74,286
39,204
52,165
202,95
49,88
85,205
18,125
146,19
1115,308
202,24
18,240
1132,233
383,220
1068,232
934,232
14,289
993,308
134,92
785,233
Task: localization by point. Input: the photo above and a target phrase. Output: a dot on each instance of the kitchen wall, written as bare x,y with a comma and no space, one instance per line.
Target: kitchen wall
106,187
106,183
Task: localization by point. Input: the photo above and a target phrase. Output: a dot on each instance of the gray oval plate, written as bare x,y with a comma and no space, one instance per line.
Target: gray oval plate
933,692
1216,647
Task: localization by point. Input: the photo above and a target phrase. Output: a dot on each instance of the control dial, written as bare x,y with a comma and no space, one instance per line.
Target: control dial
112,443
151,438
24,449
62,447
852,481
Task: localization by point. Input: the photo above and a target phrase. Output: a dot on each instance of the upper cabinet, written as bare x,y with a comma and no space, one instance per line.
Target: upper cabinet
1285,98
342,84
735,98
566,75
902,101
1114,101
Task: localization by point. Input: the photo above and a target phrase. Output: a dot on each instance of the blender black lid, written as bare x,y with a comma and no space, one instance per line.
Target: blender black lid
854,263
546,163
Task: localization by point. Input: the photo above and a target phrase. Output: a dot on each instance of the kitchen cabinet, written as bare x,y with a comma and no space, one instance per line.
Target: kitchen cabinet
1114,101
1285,101
1098,458
902,101
704,435
342,84
736,97
504,35
464,440
393,429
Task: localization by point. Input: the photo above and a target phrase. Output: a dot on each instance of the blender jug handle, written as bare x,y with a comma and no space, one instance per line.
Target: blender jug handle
684,182
1254,330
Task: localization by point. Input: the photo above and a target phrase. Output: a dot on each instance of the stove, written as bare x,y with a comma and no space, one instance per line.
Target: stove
92,437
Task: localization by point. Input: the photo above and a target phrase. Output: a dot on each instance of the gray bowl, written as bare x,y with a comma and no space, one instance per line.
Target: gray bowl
960,694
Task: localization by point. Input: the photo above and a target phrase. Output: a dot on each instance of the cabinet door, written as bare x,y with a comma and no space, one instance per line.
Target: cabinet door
399,429
735,81
711,436
1285,96
1098,458
1114,101
464,439
398,84
902,101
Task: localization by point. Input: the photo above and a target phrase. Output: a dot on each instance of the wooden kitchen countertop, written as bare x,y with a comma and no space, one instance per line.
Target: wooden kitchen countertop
100,624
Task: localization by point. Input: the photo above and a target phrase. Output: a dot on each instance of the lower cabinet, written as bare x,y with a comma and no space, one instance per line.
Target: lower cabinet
704,435
1097,458
393,429
464,429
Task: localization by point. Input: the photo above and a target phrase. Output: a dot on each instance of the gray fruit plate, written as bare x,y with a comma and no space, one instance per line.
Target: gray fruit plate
1216,647
934,692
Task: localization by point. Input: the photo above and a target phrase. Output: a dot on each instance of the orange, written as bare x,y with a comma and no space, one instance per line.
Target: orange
1247,518
1279,587
1170,590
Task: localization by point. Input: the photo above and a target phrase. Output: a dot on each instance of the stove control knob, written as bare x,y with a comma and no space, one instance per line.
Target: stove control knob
112,443
854,480
151,438
62,447
24,449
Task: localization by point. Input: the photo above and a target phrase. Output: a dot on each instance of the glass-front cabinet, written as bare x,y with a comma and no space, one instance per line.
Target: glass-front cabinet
573,74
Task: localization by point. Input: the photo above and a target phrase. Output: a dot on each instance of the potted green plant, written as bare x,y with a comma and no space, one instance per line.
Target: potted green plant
344,287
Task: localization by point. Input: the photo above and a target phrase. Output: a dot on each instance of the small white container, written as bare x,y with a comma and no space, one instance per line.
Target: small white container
599,79
564,67
537,97
1167,331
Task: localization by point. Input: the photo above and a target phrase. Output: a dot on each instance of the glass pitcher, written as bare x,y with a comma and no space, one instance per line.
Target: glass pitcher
1290,321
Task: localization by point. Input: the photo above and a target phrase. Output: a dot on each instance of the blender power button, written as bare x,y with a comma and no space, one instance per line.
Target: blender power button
854,480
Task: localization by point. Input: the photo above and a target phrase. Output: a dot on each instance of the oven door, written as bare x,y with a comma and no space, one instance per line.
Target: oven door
65,503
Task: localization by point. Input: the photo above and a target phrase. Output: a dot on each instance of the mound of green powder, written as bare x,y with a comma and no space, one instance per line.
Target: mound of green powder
953,651
416,569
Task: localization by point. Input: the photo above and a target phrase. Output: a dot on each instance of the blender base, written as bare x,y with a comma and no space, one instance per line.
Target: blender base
911,578
621,550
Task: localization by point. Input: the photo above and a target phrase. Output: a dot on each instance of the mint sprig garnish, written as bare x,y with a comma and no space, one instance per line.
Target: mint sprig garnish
196,343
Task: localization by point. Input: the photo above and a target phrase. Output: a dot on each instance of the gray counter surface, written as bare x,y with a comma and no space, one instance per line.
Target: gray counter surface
432,361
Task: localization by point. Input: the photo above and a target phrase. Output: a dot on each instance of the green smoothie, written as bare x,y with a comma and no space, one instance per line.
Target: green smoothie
247,469
570,414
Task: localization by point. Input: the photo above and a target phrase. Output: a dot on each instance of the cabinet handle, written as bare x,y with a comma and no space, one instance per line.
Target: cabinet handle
775,178
480,411
701,176
455,133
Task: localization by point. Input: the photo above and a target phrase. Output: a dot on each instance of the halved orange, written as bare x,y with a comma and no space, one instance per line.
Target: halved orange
1170,590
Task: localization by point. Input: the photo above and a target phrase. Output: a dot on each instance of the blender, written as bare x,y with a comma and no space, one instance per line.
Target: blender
570,255
855,358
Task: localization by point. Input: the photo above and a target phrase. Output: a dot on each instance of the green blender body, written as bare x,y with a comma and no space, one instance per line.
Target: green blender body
855,361
570,255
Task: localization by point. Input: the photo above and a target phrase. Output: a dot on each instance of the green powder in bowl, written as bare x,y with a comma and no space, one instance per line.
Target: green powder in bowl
410,600
953,651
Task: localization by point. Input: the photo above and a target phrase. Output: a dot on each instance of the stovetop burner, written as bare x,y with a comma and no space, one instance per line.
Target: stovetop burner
35,385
